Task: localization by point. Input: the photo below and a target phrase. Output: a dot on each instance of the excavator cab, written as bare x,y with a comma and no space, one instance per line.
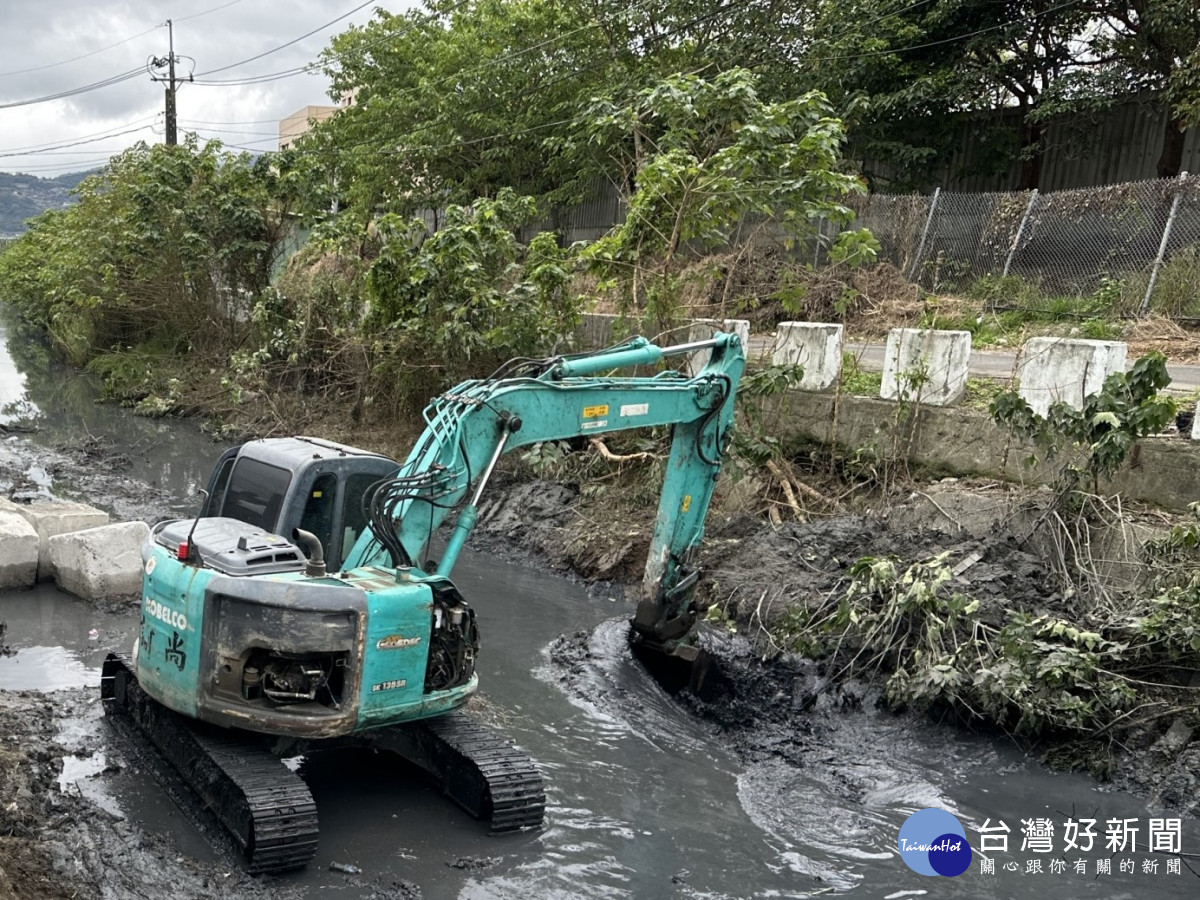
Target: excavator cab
280,484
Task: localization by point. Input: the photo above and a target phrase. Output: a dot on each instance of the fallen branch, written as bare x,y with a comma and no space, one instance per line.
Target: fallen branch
796,483
787,490
619,457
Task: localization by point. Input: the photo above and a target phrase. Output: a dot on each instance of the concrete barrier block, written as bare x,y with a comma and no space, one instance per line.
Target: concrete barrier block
924,366
703,329
51,517
815,346
1067,370
18,551
99,563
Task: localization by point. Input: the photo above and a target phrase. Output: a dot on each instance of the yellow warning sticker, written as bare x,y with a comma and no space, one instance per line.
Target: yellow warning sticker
687,502
595,412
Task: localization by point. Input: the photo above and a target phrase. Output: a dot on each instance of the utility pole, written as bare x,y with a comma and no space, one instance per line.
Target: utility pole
172,137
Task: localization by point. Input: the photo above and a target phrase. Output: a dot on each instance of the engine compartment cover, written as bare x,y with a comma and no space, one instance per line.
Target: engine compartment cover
232,547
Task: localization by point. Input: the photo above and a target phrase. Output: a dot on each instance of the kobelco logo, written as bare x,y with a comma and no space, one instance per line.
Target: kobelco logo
165,614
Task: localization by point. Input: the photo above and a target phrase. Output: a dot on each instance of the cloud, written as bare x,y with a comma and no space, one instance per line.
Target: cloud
115,38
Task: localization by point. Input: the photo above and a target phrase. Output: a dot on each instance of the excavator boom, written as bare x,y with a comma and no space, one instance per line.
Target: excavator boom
470,427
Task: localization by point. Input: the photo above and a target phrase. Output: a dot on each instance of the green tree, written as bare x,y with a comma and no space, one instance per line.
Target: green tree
707,154
456,100
1148,46
458,302
166,247
906,76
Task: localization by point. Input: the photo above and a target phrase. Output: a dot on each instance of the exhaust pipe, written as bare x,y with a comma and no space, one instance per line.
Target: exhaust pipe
311,545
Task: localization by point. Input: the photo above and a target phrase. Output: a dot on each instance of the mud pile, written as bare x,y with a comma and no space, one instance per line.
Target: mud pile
60,844
89,470
759,571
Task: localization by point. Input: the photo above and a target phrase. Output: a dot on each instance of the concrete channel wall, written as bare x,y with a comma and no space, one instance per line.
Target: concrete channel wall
1162,471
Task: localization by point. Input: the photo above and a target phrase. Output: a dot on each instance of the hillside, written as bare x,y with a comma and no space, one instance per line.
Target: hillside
24,196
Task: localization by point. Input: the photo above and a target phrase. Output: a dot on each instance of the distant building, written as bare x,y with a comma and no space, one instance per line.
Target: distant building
299,123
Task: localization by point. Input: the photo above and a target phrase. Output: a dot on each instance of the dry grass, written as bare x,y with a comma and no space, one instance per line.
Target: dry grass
1178,344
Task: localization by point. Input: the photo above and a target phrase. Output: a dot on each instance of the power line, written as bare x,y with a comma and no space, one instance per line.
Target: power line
83,158
83,89
74,144
309,66
273,134
207,11
132,37
106,132
64,62
251,122
289,43
305,69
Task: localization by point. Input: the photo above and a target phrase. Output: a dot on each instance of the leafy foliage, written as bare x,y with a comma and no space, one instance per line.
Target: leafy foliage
448,305
1104,430
715,153
165,247
932,646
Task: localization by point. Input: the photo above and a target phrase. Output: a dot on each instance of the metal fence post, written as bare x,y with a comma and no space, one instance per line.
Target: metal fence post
1012,251
1162,246
937,192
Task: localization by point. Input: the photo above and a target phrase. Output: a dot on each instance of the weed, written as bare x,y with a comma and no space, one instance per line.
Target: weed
1176,292
981,392
1100,329
856,380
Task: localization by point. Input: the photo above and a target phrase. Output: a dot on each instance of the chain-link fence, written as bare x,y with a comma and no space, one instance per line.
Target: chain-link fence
1124,249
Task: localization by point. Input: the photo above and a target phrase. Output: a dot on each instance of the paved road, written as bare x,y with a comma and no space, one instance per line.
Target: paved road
983,364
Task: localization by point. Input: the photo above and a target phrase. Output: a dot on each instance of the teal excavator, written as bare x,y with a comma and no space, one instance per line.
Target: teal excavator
300,610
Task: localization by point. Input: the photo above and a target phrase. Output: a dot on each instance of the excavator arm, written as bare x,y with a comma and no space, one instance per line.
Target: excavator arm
532,401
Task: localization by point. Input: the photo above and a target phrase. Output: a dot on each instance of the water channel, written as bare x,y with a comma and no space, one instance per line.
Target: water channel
645,800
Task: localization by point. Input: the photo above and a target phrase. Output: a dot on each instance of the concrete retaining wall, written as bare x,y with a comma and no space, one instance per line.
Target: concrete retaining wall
1162,471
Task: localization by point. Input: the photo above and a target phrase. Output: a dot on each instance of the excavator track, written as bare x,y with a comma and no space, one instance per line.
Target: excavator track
263,806
478,769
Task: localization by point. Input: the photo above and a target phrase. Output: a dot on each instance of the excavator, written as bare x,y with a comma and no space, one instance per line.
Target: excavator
300,609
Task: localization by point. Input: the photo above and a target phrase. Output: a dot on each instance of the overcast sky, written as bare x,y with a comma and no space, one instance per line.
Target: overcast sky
41,44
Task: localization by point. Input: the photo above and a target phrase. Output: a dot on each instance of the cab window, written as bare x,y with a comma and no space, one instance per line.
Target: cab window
318,512
353,518
219,483
255,493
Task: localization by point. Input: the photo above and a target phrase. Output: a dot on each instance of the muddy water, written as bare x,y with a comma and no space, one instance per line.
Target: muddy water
644,799
113,459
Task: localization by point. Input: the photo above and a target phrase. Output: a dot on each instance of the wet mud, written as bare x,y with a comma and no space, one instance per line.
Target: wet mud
770,703
63,843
